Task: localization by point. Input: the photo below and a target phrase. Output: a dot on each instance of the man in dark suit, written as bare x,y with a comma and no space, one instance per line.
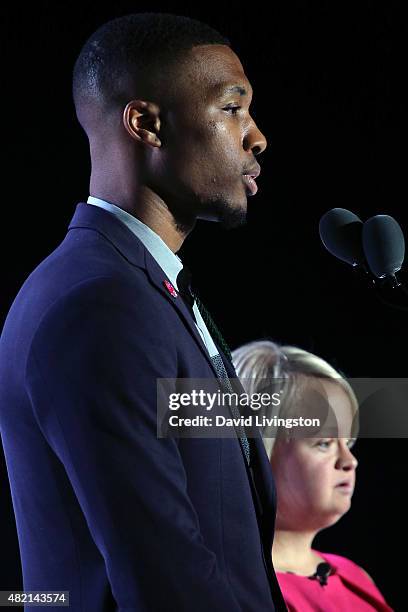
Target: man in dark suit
104,509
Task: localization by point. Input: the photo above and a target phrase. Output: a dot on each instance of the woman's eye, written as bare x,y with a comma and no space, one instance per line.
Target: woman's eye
324,443
232,109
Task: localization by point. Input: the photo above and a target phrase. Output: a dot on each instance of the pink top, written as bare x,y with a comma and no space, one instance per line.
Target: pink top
348,589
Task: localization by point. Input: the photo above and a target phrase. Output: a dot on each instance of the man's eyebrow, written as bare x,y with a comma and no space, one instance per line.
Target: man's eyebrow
224,91
237,89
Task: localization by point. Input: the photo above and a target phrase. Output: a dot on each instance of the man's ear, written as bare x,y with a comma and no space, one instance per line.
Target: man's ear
142,121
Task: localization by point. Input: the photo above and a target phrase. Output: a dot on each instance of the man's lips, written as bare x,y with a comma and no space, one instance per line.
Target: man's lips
249,179
250,184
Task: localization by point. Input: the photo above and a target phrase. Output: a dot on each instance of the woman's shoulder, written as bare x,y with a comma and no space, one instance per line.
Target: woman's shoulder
350,572
338,561
344,566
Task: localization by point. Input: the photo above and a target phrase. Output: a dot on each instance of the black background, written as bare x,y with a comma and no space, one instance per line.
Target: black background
329,94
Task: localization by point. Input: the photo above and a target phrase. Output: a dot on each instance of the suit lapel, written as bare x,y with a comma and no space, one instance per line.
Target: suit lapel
264,481
87,216
157,278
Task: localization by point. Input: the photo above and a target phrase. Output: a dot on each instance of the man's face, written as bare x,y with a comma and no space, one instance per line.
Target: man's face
209,138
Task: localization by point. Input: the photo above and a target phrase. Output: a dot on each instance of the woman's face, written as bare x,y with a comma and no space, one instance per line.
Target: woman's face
315,477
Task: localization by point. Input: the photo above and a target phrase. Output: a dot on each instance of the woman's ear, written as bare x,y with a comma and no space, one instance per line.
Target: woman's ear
142,121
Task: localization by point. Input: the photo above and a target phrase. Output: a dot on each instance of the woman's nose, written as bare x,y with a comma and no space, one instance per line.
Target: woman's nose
346,460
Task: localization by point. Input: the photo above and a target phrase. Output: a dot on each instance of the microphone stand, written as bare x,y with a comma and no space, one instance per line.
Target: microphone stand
388,290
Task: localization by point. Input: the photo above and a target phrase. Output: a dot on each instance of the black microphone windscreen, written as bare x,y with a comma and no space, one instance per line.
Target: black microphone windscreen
384,245
340,231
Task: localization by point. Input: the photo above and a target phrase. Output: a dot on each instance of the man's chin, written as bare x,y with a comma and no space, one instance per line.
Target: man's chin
232,218
228,215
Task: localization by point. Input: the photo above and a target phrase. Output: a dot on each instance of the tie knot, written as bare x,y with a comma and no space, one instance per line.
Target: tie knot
190,297
184,285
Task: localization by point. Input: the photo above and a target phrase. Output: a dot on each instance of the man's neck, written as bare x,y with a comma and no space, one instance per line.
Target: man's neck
151,210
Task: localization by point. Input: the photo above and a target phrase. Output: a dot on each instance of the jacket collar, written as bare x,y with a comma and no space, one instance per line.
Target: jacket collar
131,247
105,223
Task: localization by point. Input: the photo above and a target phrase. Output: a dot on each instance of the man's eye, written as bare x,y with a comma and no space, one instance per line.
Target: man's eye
232,109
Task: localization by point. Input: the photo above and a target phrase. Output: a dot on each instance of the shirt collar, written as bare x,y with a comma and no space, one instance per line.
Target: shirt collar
169,262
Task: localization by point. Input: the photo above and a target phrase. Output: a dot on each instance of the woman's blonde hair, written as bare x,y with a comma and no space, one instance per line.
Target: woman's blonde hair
261,363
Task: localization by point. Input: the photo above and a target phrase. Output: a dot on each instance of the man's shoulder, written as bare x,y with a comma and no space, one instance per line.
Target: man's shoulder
71,282
81,259
86,252
102,310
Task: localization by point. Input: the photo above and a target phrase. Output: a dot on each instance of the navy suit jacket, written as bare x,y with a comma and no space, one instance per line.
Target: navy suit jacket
105,510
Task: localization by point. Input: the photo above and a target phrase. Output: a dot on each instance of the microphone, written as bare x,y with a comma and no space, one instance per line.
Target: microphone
341,233
323,571
374,249
384,247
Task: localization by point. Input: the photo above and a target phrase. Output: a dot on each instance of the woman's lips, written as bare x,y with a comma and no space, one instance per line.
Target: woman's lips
345,487
250,183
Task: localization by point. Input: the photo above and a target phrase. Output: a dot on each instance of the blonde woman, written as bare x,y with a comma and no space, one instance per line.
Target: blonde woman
314,476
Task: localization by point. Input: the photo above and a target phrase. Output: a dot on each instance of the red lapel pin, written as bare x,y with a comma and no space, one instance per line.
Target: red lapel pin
170,288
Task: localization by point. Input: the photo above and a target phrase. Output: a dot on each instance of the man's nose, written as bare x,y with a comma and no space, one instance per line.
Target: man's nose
254,140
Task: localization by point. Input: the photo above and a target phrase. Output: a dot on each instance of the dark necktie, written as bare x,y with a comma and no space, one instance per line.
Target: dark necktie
189,297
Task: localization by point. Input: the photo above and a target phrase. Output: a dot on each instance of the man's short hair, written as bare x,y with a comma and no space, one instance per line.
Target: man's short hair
132,50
